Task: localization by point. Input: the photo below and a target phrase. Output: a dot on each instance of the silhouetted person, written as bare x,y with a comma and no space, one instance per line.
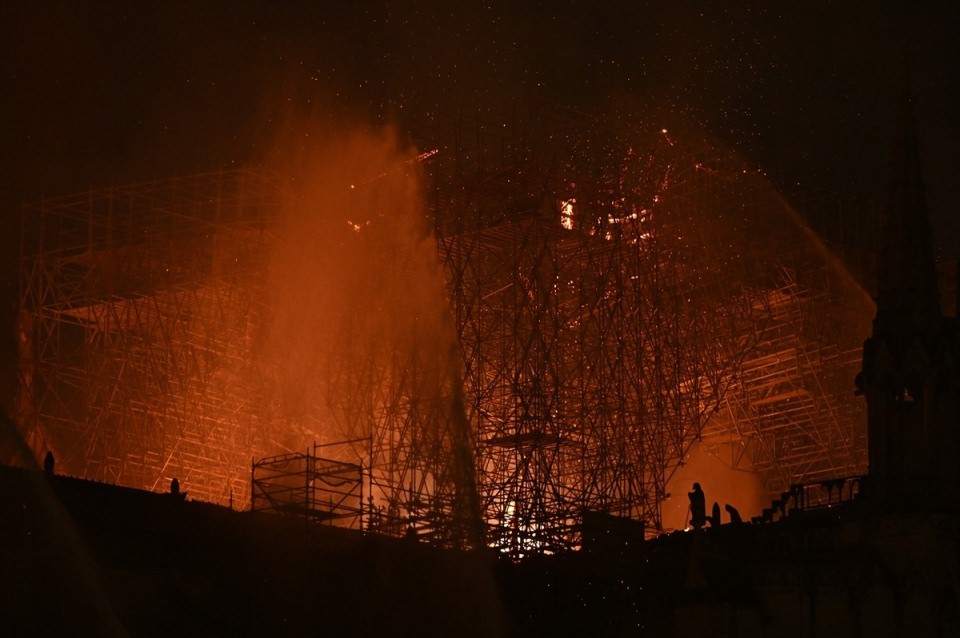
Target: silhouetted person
175,486
48,463
698,507
411,533
714,518
734,514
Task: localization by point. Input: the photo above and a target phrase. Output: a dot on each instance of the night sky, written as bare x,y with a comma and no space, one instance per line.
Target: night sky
102,93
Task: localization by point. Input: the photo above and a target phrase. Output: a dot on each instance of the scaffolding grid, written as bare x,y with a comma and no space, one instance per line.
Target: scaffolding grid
138,308
617,294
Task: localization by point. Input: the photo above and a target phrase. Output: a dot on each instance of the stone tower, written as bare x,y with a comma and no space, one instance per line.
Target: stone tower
909,373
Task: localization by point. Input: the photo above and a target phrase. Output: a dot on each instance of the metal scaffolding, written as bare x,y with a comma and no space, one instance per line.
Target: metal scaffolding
138,308
307,485
622,293
615,294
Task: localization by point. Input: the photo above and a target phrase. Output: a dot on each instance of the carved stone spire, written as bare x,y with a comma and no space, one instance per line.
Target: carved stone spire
908,375
907,296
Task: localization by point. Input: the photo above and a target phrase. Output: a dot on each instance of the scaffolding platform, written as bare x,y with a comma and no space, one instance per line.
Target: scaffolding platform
310,486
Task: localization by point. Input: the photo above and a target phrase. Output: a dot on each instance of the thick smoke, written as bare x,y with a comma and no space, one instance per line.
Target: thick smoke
359,328
351,269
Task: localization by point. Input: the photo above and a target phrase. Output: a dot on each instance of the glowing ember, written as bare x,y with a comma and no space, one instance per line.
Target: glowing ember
568,213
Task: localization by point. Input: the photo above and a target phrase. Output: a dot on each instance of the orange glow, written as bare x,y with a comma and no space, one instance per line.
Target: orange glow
722,484
574,368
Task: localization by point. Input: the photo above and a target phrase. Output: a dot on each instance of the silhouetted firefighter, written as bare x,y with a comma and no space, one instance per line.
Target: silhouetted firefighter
48,463
698,507
714,518
735,517
175,490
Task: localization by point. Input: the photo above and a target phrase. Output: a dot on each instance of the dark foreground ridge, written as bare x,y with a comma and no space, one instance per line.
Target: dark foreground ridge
84,558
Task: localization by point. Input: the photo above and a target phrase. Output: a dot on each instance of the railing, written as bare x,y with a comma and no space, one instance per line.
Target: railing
313,487
813,496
